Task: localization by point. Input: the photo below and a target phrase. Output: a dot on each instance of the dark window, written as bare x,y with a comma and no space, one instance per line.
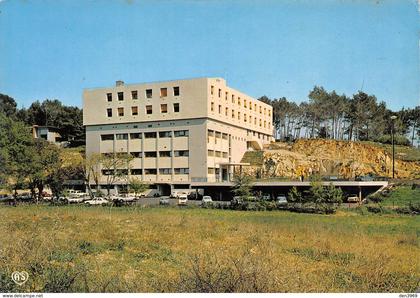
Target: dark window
181,133
135,135
122,136
220,92
149,93
134,111
134,94
166,171
135,171
165,134
181,170
109,112
179,153
120,95
176,107
109,96
122,171
176,91
120,112
150,154
107,172
149,110
164,108
136,154
107,137
150,171
163,92
149,135
164,153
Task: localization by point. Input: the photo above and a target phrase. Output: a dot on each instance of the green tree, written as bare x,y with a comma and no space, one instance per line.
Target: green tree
115,167
242,186
137,186
295,196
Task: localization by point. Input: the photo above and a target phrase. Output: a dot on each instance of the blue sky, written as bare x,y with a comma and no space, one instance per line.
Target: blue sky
54,49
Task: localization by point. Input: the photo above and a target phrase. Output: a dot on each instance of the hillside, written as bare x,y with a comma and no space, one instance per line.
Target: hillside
329,157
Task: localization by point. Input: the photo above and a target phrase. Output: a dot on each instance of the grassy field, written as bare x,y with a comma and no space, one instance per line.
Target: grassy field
402,196
407,153
103,249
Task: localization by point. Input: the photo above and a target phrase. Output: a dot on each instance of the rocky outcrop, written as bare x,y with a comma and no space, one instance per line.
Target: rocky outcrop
329,157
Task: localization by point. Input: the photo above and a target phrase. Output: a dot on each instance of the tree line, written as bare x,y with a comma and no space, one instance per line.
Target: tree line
329,115
67,119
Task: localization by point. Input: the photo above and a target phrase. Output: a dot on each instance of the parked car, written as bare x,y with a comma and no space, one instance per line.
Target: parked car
266,197
195,196
97,201
182,198
206,199
281,200
353,199
164,201
75,200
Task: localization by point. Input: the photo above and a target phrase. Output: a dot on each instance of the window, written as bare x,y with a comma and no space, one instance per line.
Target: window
255,121
165,134
149,93
260,122
260,109
120,96
122,172
135,135
180,153
109,112
181,133
250,106
244,117
210,133
107,137
176,91
233,98
211,90
239,101
220,109
226,95
239,115
233,113
109,96
250,119
181,171
244,103
265,111
149,110
136,171
149,135
164,153
107,172
136,154
218,134
150,171
269,112
226,111
265,123
176,107
220,93
121,136
212,106
150,154
210,171
166,171
225,154
134,94
120,112
255,107
134,111
164,108
218,154
210,152
163,92
224,136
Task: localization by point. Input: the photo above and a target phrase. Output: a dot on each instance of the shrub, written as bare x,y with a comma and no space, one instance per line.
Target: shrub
414,207
375,198
374,209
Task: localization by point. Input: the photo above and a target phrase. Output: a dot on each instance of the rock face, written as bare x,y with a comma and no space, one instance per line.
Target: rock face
329,157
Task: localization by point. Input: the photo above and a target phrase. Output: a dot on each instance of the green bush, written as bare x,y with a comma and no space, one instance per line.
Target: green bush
398,140
375,198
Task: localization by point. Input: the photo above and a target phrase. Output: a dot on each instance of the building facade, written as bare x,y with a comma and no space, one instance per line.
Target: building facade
178,132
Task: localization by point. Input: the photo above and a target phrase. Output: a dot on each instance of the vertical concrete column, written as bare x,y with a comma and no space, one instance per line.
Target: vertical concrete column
172,158
142,156
157,155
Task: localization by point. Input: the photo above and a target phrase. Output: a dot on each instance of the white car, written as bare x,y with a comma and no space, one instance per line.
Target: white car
353,199
97,201
75,200
281,200
206,199
182,198
266,197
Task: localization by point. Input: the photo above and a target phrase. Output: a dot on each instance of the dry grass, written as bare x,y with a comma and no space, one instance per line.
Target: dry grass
78,249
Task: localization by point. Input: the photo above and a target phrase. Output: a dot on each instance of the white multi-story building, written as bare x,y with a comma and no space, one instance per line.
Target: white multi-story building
181,131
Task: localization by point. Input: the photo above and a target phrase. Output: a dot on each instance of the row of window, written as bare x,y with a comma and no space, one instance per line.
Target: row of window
148,94
244,103
147,135
237,115
212,171
148,110
217,153
162,171
147,154
217,134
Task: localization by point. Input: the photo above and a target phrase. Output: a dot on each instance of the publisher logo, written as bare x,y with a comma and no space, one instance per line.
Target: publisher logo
20,277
